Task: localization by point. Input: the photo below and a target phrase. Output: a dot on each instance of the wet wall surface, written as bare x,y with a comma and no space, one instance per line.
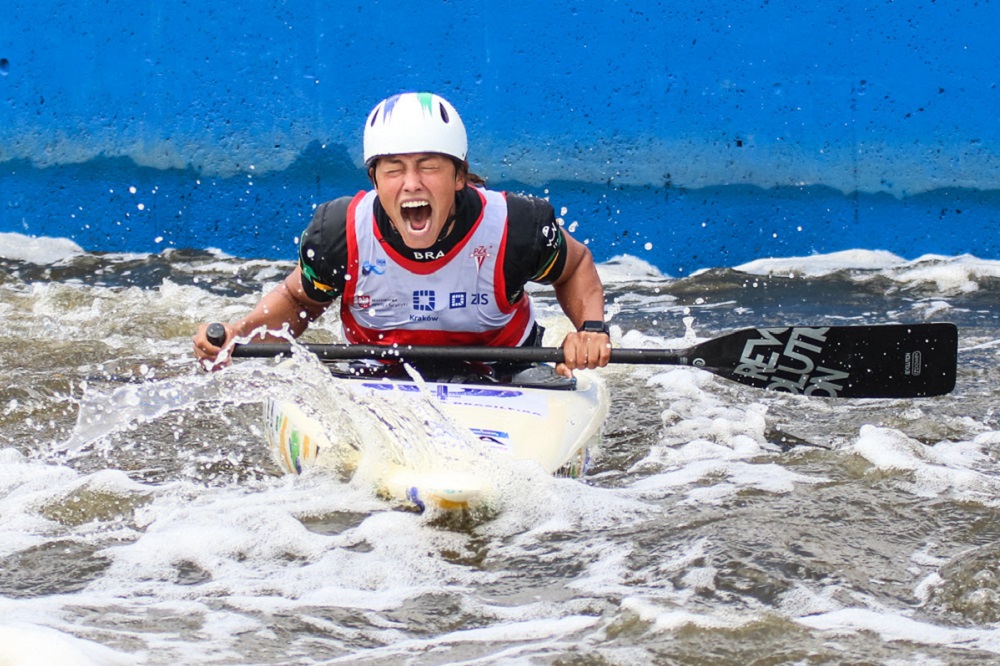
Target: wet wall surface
691,136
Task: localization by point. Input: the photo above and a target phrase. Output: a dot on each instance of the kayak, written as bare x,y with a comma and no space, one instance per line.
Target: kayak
529,414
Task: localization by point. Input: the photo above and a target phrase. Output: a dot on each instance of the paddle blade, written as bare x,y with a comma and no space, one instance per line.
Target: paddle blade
883,361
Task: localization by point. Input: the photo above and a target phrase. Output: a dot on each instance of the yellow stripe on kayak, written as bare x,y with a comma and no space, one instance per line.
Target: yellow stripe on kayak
283,438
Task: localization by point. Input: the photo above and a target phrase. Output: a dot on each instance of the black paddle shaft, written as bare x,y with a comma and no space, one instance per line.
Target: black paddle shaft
879,361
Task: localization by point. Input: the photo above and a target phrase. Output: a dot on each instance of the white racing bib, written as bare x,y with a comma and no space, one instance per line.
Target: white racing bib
459,298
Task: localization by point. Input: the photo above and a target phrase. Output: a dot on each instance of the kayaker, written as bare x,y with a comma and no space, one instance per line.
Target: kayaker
430,256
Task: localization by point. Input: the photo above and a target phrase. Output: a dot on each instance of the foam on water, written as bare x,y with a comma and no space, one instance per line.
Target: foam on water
931,470
37,250
825,264
188,545
708,438
23,644
545,635
892,627
626,268
699,532
949,274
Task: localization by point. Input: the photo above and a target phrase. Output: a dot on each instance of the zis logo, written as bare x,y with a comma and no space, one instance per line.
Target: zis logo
423,300
479,254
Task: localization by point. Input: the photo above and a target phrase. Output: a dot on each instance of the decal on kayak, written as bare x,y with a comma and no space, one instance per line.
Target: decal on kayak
576,466
289,444
496,438
446,391
413,494
473,396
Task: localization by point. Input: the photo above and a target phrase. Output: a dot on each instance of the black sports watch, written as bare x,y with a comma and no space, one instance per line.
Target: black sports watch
594,326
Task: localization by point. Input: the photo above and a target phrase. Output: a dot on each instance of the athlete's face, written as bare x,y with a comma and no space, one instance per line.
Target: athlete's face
417,190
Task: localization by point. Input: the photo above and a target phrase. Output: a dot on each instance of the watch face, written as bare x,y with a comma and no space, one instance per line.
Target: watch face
594,327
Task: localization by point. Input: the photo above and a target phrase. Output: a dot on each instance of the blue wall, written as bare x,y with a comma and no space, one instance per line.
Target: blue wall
688,134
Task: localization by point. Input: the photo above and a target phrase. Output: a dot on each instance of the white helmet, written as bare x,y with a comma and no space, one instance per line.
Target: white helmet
414,123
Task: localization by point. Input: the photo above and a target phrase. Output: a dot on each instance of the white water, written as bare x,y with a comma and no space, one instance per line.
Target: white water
168,537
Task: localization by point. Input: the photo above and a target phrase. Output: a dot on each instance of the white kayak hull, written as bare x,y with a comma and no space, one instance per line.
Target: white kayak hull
554,428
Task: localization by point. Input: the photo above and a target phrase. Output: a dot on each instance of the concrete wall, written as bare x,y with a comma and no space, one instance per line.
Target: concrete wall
688,134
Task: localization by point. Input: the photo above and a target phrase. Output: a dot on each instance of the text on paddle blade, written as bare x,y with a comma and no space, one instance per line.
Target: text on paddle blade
788,359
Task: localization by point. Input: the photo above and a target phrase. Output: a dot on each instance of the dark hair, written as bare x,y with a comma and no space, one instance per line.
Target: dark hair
462,167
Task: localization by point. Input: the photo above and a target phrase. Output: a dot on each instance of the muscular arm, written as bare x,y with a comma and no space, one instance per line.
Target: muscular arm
581,295
546,254
578,288
285,305
298,300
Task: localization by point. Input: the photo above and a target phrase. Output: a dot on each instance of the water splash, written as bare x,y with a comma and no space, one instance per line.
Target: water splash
405,428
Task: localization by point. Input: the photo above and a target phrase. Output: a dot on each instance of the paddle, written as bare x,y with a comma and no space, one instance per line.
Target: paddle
880,361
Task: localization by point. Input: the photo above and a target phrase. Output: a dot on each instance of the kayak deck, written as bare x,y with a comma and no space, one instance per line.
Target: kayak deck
526,412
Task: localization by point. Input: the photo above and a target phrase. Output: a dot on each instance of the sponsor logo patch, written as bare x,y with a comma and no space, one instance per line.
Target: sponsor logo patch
480,253
378,268
424,300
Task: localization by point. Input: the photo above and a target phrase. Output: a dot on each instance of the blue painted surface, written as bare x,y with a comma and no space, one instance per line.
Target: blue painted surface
689,134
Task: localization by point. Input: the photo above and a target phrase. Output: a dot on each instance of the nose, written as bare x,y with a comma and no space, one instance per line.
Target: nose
411,179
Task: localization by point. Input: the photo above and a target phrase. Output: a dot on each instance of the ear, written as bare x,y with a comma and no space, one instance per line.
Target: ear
461,174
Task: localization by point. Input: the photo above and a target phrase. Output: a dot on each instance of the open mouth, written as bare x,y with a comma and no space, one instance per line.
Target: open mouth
416,214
